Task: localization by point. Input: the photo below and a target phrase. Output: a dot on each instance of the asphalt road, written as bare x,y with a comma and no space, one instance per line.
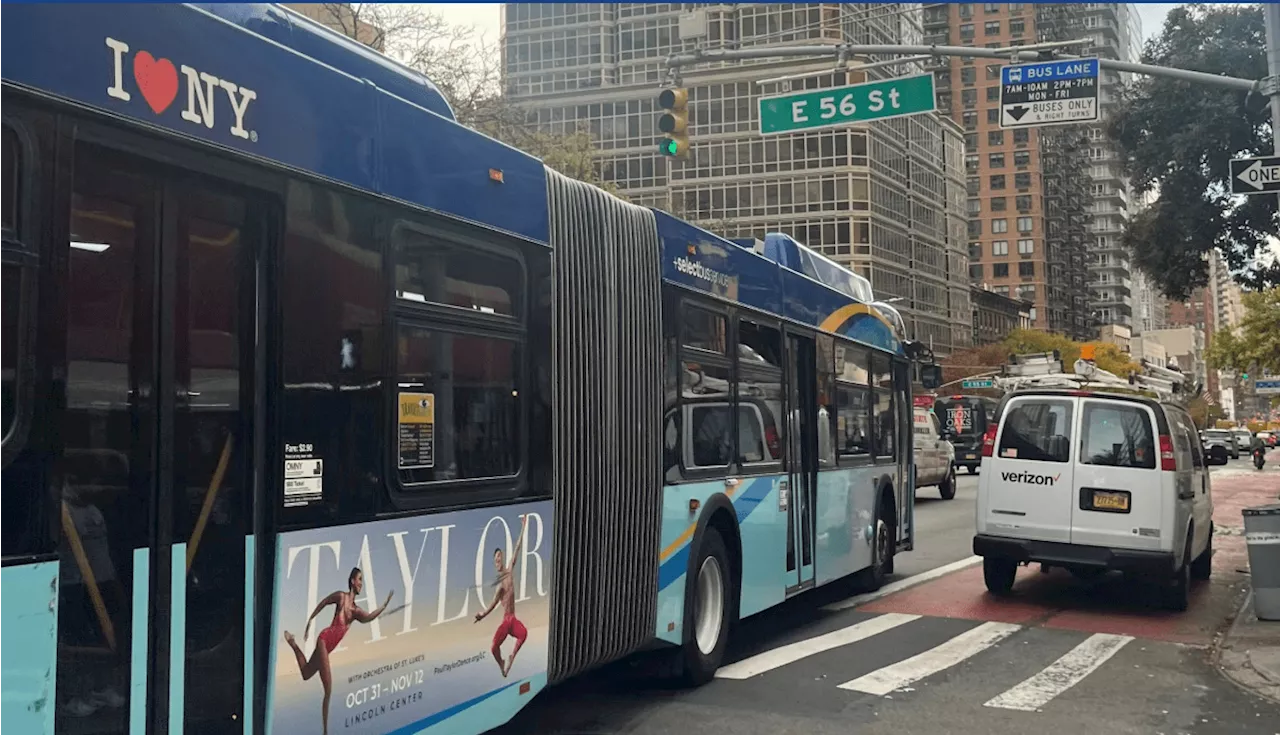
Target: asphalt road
1063,656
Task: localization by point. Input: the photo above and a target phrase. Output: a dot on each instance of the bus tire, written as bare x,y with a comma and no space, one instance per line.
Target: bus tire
708,610
882,546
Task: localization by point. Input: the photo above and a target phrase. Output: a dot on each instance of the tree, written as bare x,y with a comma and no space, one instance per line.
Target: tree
1111,358
1030,340
973,361
1175,138
467,69
1255,344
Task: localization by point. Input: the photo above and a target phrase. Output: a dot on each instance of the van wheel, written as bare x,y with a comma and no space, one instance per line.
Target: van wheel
872,578
999,575
1177,595
1202,567
708,611
948,485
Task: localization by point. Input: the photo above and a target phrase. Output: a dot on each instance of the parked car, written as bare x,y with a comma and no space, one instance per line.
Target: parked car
934,456
1094,481
1219,445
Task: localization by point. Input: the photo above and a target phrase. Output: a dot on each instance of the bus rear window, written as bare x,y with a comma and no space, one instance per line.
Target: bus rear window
1037,430
1117,435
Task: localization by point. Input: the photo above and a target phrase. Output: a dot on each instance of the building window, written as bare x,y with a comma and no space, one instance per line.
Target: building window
995,137
997,181
975,251
975,271
1022,180
975,228
970,140
1024,224
1000,270
968,75
993,116
973,206
1022,202
1000,247
993,72
1022,158
998,204
1021,135
973,185
999,226
1027,292
966,10
971,163
993,94
970,119
1017,26
966,31
1026,247
995,160
991,28
969,97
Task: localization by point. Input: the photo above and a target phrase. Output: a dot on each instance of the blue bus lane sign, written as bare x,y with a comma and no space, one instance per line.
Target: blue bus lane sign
1049,93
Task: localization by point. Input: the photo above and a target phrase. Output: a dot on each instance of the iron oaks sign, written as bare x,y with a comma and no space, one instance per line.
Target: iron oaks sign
209,99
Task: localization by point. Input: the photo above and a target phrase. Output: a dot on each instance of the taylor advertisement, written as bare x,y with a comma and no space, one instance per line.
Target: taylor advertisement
382,625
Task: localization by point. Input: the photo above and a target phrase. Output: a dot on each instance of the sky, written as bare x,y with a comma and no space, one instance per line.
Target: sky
486,17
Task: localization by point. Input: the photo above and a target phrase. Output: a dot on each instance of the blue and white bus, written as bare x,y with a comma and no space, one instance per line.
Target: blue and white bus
324,413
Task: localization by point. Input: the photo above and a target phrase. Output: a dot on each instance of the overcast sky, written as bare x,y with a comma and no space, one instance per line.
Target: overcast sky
486,17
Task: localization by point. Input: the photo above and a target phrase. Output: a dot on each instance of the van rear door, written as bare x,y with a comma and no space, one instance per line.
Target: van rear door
1028,478
1119,487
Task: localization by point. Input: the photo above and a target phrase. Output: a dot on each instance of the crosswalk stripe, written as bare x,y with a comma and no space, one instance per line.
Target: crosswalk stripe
944,656
1062,674
792,652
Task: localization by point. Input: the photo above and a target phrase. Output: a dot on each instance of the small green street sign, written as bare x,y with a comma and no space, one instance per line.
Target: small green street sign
825,108
978,383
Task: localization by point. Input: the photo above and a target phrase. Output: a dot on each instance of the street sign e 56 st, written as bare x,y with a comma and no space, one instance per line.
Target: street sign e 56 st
1255,175
825,108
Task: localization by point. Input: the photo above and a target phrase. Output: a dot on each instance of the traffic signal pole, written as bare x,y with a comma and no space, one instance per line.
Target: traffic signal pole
1037,52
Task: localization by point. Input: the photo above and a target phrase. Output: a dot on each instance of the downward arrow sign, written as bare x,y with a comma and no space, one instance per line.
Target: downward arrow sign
1017,112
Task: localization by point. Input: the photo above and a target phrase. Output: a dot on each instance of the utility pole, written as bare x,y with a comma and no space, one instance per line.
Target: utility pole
1271,85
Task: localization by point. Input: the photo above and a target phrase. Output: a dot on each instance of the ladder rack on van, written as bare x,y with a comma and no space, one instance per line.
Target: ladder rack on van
1044,370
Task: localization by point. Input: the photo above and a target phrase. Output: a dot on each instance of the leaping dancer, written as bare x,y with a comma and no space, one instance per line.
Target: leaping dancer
506,594
345,610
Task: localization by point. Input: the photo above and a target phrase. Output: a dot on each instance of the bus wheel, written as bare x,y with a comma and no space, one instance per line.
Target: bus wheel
872,578
708,610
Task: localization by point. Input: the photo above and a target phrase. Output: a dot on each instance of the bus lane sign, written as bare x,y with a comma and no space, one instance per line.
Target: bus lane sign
417,424
1049,93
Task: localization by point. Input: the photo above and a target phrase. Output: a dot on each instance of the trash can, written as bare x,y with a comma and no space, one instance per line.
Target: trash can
1262,536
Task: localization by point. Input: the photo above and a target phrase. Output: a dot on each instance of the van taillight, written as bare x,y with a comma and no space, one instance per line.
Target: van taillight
989,441
771,438
1167,461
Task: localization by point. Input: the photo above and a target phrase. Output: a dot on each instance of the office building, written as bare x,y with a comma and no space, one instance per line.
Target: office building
1115,32
1028,190
884,198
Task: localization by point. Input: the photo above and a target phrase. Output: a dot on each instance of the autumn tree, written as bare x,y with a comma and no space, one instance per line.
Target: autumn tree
1255,343
1175,138
467,68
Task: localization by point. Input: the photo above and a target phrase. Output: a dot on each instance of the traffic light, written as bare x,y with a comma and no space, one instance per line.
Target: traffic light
674,123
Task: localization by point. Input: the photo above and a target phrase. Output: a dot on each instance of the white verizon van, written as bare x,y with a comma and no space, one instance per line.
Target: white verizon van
1094,481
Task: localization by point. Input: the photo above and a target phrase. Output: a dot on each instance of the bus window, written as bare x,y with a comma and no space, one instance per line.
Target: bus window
472,385
11,350
429,269
703,330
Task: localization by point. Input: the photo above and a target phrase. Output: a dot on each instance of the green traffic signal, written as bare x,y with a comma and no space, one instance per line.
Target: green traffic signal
668,147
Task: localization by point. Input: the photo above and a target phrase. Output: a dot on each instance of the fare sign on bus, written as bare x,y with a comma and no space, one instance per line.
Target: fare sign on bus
417,422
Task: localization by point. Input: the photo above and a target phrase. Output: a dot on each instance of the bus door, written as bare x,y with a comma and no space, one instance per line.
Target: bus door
802,459
154,471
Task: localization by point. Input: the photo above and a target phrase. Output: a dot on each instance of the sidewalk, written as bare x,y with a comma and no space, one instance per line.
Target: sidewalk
1249,650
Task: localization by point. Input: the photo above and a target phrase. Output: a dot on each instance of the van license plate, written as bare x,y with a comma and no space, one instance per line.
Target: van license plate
1110,501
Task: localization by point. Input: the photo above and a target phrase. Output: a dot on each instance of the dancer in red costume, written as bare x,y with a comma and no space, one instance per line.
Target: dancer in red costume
506,594
345,610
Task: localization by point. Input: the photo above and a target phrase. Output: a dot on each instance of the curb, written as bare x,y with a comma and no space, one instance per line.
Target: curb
1236,667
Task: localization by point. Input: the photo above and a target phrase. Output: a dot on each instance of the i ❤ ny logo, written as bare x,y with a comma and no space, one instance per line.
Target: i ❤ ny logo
159,82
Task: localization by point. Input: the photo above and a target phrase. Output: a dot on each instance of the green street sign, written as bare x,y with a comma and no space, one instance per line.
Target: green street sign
978,383
825,108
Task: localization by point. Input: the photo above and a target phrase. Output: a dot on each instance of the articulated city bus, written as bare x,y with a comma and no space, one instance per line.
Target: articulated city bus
324,413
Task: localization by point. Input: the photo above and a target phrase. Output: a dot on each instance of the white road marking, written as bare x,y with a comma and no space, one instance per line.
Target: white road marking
902,584
792,652
1062,674
944,656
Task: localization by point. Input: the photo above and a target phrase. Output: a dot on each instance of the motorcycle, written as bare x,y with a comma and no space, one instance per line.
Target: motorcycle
1259,457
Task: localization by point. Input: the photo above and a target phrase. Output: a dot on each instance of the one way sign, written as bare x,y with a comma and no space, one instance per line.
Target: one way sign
1255,175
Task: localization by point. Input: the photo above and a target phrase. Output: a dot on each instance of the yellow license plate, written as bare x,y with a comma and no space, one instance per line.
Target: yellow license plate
1110,501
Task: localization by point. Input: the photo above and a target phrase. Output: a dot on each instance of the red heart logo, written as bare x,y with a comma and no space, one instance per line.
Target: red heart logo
157,79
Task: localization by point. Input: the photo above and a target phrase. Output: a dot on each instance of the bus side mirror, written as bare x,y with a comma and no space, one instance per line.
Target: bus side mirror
931,376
